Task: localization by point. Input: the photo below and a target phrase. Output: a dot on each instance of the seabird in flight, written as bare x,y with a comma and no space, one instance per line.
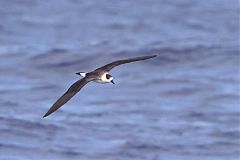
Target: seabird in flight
100,75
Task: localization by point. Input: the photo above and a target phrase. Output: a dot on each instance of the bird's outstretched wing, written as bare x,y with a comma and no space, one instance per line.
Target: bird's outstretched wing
76,87
110,66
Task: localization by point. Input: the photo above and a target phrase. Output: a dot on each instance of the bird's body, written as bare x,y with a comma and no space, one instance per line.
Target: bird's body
100,75
97,76
102,79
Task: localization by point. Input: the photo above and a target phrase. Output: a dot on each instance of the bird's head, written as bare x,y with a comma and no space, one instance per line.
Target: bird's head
109,78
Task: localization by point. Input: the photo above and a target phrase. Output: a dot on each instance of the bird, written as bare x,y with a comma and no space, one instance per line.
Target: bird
99,75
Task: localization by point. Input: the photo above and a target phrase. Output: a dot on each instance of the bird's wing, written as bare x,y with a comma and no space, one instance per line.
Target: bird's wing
110,66
76,87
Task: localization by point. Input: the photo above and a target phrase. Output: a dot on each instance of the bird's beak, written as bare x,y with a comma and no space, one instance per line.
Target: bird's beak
112,82
78,73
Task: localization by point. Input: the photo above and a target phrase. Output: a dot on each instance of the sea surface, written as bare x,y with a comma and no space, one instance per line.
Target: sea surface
182,105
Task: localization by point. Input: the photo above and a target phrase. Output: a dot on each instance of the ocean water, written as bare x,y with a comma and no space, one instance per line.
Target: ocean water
182,105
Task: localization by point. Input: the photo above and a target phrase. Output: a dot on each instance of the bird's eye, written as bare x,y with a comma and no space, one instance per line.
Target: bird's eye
108,76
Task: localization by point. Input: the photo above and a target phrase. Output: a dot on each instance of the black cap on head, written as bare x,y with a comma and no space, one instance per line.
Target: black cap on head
108,76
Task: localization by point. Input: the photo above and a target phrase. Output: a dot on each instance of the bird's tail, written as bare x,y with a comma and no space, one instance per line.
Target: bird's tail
83,74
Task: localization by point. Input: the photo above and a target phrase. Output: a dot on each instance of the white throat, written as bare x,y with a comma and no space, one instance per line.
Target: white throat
103,79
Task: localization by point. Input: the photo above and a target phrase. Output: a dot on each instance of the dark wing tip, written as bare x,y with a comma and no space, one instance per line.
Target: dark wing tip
76,87
47,114
147,57
51,110
153,56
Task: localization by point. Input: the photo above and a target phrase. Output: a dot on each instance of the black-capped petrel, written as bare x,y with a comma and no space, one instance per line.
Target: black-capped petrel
100,75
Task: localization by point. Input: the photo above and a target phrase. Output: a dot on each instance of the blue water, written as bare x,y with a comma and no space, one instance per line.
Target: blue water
182,105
